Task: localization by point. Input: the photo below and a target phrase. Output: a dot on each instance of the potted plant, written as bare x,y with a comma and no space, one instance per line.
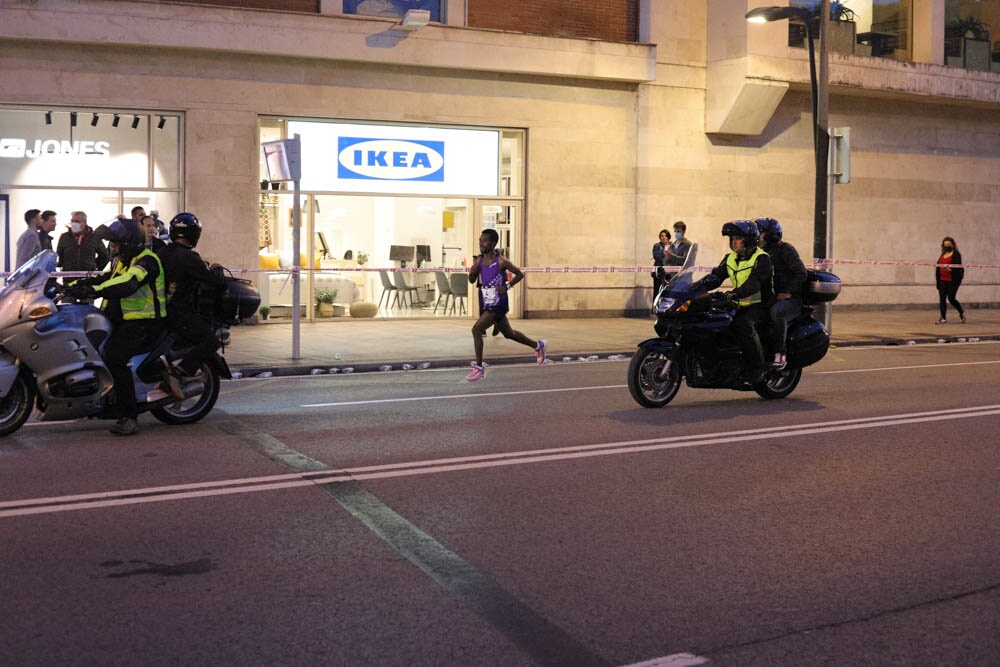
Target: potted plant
264,312
841,30
324,302
967,41
362,258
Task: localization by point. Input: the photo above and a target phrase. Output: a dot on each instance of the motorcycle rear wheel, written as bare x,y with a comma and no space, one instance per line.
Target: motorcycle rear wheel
644,382
15,407
198,406
779,384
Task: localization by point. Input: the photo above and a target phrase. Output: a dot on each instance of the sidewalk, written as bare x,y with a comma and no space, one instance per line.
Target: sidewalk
366,344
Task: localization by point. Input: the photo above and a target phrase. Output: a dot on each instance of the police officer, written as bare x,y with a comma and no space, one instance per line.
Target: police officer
136,302
789,278
185,271
749,271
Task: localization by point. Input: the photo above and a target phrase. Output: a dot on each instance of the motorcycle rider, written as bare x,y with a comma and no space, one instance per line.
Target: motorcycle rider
749,271
136,303
185,270
789,278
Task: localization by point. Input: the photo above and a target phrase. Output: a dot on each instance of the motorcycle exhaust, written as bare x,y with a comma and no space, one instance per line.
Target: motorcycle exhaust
189,388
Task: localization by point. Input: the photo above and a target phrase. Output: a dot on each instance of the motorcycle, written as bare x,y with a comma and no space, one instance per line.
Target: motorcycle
696,341
51,353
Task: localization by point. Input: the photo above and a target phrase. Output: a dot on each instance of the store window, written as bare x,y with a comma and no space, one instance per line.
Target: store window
877,28
967,34
392,8
378,196
100,161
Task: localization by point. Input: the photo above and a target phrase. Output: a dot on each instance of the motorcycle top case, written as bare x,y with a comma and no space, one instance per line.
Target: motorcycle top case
820,287
238,300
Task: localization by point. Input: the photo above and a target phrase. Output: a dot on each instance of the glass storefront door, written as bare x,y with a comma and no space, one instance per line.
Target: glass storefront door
504,216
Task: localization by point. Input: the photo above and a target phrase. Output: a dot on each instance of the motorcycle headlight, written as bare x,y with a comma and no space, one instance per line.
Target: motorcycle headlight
665,304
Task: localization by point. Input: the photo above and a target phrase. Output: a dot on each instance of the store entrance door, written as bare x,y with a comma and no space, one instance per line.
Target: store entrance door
506,217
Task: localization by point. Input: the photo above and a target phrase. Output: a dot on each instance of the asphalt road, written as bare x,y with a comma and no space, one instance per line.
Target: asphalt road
537,517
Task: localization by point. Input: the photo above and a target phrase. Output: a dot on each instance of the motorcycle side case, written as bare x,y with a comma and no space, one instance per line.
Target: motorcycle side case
808,342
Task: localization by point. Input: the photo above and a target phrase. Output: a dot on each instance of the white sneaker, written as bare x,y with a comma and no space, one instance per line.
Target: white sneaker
540,351
779,362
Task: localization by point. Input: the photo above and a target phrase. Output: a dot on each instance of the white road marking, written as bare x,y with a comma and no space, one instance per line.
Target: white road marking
905,368
675,660
48,505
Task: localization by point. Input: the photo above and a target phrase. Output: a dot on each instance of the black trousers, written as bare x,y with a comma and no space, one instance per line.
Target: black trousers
949,291
193,330
129,338
747,324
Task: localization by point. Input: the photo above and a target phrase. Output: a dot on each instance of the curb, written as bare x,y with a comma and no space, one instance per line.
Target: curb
291,370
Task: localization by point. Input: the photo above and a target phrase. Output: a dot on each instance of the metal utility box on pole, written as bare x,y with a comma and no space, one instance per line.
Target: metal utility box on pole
283,159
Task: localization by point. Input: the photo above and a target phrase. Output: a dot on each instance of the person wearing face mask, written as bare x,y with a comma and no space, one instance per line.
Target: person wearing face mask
78,249
949,278
667,252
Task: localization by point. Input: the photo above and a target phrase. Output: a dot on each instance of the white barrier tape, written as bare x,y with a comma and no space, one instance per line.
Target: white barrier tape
816,263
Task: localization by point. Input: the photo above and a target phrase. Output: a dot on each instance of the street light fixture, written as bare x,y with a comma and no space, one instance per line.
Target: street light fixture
818,87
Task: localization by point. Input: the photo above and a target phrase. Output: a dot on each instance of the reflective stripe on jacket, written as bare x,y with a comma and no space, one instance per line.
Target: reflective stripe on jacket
149,301
739,271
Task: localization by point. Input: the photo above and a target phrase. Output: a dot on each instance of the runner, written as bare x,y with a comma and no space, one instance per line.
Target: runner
490,270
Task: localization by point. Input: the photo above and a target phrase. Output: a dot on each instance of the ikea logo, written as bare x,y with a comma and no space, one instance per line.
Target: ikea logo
390,159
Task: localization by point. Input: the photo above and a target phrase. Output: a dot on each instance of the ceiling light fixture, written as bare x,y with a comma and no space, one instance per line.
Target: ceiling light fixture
48,117
94,120
115,121
135,122
163,121
72,119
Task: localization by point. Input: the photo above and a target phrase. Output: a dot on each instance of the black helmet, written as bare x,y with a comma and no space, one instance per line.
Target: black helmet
126,234
745,230
185,226
770,231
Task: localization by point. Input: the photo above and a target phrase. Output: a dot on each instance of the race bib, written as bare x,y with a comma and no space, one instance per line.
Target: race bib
490,297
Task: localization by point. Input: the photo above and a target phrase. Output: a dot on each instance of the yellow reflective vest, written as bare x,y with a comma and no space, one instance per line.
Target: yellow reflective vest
739,271
149,301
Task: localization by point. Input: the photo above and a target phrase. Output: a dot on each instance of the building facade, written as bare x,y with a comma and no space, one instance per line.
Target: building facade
578,133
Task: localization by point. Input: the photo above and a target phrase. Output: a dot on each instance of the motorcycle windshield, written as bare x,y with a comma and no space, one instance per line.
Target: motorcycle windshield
685,276
35,270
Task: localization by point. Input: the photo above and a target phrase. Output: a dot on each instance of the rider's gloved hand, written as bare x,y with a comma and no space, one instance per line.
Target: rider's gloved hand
80,292
729,296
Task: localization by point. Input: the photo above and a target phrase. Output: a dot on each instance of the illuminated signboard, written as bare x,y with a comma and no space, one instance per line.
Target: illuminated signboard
395,159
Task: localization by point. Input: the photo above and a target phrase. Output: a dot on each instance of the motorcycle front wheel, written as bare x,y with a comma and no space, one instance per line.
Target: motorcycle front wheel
779,384
196,407
15,407
644,382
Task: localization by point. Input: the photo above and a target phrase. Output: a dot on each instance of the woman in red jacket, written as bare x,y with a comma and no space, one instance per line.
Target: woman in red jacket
949,278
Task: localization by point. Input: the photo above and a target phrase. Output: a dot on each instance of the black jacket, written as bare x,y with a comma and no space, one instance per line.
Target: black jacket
88,255
185,270
956,274
789,271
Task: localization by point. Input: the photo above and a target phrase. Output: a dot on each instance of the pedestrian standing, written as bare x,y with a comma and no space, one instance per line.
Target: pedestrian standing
28,244
949,278
79,249
45,229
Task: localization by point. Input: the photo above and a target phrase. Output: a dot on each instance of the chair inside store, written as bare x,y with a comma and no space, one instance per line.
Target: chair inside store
444,290
389,292
460,290
404,290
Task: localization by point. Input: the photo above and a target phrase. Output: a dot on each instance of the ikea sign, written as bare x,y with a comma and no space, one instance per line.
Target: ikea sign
398,159
390,159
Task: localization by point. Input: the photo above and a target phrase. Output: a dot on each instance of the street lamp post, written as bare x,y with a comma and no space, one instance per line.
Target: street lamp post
820,106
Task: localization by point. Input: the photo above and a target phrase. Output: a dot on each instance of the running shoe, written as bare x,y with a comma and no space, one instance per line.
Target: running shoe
476,374
942,321
963,318
540,351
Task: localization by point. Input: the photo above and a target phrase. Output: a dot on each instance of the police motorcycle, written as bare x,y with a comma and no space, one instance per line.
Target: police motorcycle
695,341
51,353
